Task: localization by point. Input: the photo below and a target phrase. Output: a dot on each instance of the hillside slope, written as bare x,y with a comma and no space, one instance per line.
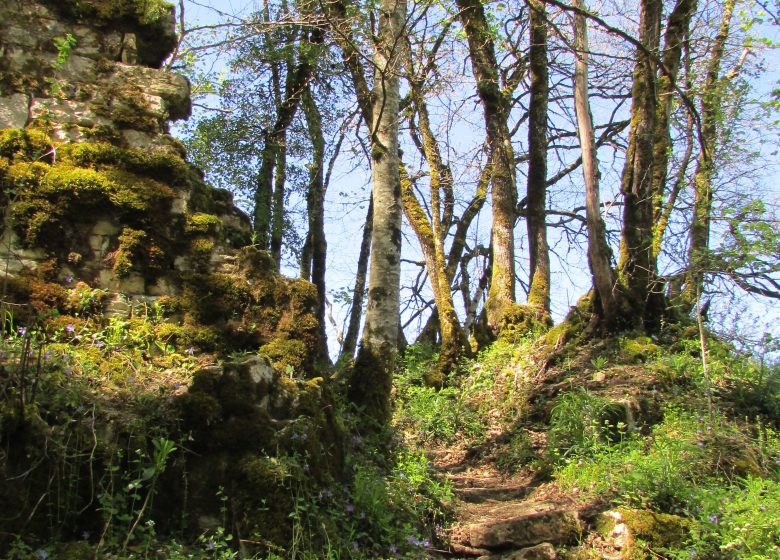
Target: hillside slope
603,449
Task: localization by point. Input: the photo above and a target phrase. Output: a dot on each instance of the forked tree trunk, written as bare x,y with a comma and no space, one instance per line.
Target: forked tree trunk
637,266
315,202
495,105
269,194
431,232
674,38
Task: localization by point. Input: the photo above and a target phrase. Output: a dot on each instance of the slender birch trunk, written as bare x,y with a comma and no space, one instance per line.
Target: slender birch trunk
372,377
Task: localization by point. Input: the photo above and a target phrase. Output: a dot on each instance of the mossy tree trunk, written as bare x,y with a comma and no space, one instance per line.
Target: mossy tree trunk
536,194
432,232
372,377
637,266
340,22
698,248
315,262
496,105
599,253
675,35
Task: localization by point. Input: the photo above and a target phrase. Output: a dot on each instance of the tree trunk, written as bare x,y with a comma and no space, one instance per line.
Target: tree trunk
599,253
539,291
702,205
431,233
372,377
267,222
637,267
277,212
674,38
315,202
356,311
496,110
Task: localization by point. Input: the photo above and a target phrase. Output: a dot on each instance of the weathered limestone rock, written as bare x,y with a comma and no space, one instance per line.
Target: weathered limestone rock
623,528
14,111
107,78
526,530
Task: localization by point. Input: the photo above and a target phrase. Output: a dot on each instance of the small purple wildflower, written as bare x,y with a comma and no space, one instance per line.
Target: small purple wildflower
67,371
85,535
211,545
176,385
22,331
714,519
393,550
412,540
47,355
100,343
426,543
68,279
349,508
42,554
190,351
70,329
131,379
355,545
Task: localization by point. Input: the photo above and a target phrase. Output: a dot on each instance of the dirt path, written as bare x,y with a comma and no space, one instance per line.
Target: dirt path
503,517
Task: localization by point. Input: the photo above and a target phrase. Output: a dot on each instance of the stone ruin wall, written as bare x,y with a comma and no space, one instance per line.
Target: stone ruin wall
96,113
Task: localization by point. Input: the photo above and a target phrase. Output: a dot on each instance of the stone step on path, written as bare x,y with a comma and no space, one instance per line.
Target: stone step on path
515,518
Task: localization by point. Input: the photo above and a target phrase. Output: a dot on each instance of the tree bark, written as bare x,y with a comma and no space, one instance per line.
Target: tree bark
356,311
637,267
315,202
278,211
674,38
372,377
599,253
431,233
536,194
495,105
702,205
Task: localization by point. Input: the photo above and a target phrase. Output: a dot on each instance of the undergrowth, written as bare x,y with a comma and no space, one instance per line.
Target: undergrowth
91,444
718,474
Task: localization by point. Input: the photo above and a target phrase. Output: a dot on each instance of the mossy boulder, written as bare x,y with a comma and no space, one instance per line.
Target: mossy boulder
639,349
255,434
573,325
636,532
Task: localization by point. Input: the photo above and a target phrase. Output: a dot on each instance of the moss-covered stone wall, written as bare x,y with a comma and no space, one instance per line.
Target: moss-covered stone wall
106,224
